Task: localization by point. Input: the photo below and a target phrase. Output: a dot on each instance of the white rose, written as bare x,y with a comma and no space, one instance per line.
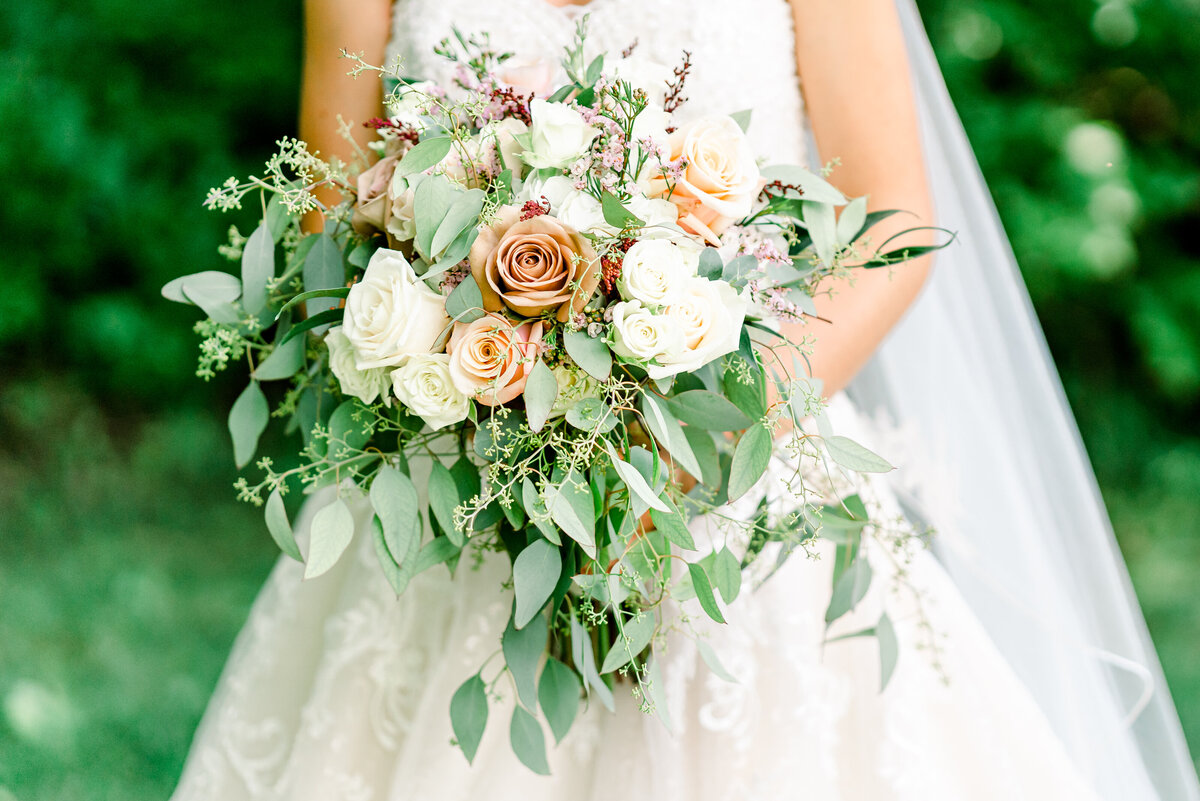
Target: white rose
391,313
653,211
709,317
641,336
559,135
582,212
503,135
366,385
642,73
412,101
423,384
655,271
573,386
554,189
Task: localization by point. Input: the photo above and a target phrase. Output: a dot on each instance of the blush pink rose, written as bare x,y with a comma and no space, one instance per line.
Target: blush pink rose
490,358
371,207
527,75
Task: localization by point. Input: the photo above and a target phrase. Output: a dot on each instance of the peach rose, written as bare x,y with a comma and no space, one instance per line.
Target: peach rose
491,358
534,266
720,180
371,209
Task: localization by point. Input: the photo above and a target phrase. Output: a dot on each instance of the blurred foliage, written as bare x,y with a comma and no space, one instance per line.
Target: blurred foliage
126,567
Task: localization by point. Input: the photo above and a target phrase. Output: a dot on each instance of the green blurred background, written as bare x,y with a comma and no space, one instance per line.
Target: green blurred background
126,566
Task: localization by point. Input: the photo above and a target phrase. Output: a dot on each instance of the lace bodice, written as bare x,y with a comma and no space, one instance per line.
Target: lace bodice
743,53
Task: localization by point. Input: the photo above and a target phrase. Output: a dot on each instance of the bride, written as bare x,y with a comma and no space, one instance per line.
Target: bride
1025,671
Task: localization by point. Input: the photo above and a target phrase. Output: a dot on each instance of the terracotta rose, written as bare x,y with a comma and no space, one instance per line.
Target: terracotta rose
534,266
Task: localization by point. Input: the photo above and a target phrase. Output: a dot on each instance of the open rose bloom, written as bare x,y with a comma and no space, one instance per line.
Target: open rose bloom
564,307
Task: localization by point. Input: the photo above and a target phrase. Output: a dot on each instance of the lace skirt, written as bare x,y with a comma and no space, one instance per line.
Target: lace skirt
336,689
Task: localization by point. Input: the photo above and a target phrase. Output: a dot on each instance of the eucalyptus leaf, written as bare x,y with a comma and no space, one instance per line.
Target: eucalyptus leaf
330,535
590,353
635,481
214,284
258,267
745,385
727,574
522,651
571,507
852,456
592,414
395,501
673,526
616,215
432,200
323,269
637,634
465,303
850,588
247,420
851,221
889,650
711,266
283,361
331,292
714,664
657,693
737,269
708,410
535,507
750,460
558,694
742,118
396,577
528,741
814,187
704,448
583,656
280,528
435,552
469,714
443,499
536,572
704,593
462,215
541,390
669,433
424,155
822,227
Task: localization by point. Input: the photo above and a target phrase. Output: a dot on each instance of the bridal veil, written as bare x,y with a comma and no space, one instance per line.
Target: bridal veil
1024,531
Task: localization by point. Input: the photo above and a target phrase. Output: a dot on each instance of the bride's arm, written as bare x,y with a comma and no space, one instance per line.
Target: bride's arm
855,78
358,26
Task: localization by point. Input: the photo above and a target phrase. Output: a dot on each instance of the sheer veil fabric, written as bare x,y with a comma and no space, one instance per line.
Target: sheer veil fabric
336,689
1026,535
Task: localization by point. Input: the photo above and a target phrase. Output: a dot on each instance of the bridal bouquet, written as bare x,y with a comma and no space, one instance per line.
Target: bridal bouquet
554,322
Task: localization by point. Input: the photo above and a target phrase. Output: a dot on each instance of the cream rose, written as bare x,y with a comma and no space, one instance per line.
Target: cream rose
655,272
401,223
503,136
708,316
573,386
490,358
424,385
559,135
391,313
720,181
533,266
371,208
641,336
366,385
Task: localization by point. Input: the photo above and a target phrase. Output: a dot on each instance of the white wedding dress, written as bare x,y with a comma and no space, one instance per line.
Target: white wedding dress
336,689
